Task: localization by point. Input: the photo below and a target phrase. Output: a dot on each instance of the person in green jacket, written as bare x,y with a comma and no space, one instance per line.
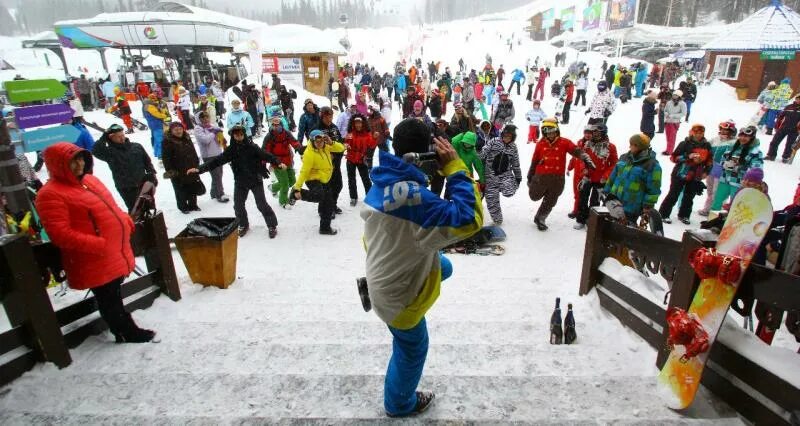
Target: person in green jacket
464,144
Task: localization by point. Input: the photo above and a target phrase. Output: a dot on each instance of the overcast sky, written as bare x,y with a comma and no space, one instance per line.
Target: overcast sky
403,7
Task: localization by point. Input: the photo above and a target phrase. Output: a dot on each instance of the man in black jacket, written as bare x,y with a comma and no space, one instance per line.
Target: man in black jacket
128,161
247,163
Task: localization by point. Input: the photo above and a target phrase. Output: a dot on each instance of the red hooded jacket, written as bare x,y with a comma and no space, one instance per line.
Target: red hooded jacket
360,143
82,220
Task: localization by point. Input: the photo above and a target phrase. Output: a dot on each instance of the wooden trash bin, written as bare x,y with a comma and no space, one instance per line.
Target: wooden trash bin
210,261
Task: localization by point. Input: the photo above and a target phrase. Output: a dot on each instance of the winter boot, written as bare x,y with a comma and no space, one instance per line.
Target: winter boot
685,220
424,400
273,232
243,231
579,226
137,335
540,225
328,231
353,202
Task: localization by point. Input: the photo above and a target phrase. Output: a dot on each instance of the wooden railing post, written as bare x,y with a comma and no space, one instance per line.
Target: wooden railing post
158,258
593,253
686,282
27,303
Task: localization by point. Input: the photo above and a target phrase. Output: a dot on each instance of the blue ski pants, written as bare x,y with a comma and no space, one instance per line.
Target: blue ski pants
409,351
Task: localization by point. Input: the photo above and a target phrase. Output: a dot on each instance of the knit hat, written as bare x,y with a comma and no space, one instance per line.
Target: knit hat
315,133
640,140
418,104
754,175
509,129
411,135
175,124
678,93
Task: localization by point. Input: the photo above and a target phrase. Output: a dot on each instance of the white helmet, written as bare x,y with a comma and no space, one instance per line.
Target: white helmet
677,93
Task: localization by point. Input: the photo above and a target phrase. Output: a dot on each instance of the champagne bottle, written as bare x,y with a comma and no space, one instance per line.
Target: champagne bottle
556,334
569,326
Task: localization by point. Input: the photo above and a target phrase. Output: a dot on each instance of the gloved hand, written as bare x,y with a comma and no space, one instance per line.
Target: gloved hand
481,187
302,149
519,180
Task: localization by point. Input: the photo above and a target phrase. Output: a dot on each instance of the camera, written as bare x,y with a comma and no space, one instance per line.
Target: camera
418,158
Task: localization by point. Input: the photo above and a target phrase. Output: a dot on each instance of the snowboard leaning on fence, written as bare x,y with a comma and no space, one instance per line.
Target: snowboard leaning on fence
745,227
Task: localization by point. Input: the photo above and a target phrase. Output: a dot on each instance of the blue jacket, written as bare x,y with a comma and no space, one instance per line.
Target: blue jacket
517,75
400,83
240,117
641,76
308,122
366,79
405,227
85,140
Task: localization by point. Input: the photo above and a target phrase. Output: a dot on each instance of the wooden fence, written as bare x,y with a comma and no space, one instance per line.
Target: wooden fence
748,387
38,332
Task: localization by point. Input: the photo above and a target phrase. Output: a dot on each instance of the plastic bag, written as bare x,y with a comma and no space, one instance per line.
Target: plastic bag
216,228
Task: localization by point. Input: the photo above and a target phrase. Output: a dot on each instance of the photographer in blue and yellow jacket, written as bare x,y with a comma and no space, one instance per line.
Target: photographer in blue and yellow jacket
406,226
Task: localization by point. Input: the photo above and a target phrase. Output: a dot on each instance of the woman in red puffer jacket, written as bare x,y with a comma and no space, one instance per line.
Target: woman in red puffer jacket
359,142
93,234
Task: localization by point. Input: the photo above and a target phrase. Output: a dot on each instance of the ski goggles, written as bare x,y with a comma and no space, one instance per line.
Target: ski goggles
727,126
748,131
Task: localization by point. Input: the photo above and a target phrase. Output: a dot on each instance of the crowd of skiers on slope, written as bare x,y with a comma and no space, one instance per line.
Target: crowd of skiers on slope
477,157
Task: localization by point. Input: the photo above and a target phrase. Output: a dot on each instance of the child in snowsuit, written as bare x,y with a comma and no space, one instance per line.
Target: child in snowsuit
279,142
719,145
535,117
742,156
485,132
502,171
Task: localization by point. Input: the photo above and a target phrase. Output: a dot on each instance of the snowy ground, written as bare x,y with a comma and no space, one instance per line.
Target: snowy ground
289,339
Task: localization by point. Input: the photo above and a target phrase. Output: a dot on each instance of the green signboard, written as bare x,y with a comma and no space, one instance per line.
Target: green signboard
33,90
777,55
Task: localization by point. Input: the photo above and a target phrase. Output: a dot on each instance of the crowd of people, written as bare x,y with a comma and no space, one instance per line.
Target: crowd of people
470,157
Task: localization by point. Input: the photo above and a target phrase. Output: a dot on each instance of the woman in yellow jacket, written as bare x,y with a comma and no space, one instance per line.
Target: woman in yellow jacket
316,173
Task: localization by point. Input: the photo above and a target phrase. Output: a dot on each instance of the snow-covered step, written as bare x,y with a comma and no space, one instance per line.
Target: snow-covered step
319,310
261,357
336,397
347,332
16,419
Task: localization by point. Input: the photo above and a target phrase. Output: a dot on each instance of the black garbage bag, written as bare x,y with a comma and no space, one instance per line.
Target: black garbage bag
216,228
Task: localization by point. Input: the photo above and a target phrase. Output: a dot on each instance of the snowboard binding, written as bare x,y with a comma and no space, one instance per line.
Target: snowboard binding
708,263
686,330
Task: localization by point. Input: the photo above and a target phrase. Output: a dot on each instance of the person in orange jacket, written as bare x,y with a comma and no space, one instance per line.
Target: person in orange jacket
121,105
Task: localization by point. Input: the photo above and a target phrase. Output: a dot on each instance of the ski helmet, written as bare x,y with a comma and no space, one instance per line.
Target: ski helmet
549,125
602,86
729,126
511,130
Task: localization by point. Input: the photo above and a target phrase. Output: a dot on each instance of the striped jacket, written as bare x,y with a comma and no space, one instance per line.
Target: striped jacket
405,227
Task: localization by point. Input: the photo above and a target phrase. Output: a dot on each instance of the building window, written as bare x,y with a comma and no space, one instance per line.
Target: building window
727,67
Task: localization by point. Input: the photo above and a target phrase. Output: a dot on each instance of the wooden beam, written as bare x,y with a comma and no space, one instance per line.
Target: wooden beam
40,320
159,259
593,252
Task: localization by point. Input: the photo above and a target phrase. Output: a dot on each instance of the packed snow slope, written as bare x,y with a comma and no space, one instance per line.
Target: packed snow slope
289,341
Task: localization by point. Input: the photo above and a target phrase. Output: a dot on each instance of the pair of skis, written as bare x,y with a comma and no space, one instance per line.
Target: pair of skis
565,334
